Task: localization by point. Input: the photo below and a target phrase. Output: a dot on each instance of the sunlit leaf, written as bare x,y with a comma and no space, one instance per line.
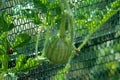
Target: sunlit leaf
3,25
21,40
20,62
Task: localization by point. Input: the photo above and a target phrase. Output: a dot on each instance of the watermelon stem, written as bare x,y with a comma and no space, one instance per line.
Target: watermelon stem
63,21
71,28
69,16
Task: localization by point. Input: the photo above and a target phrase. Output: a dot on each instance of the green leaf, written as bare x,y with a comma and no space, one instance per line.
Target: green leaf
2,50
21,40
115,4
11,26
41,4
20,62
3,25
3,36
4,43
4,60
31,63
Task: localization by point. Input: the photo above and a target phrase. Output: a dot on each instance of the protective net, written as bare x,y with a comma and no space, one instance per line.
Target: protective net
99,59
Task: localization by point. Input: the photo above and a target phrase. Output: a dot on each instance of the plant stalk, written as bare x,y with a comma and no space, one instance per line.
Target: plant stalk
105,18
63,21
62,26
37,41
70,22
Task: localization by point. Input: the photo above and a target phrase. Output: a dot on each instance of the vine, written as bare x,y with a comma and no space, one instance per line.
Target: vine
109,14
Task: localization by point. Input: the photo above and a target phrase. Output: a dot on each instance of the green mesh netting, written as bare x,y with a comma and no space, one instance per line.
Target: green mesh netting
98,60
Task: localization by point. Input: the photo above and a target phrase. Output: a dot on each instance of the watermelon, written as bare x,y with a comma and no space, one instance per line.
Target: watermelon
57,49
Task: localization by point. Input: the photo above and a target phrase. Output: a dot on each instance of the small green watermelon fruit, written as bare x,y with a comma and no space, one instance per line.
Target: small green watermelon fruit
58,50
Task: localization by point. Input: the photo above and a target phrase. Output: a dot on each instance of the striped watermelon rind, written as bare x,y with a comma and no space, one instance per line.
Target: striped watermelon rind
57,49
